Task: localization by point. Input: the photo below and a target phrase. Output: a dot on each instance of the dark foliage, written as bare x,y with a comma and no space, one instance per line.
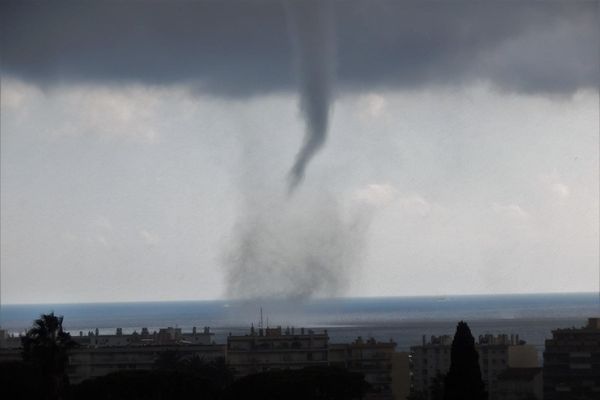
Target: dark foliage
45,351
146,385
415,395
216,371
174,376
18,381
205,381
168,360
316,383
463,381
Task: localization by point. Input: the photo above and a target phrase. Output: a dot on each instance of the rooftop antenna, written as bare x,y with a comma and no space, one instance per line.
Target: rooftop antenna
261,319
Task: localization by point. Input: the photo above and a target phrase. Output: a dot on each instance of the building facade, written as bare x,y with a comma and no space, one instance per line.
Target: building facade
270,348
97,355
519,384
572,363
374,360
93,362
496,353
274,348
260,350
401,375
164,336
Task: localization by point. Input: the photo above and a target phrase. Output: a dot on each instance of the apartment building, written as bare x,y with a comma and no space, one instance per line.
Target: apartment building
572,363
164,336
271,348
92,362
257,351
496,354
373,359
276,348
519,384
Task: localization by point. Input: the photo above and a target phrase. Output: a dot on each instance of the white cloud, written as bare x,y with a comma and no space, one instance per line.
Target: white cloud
415,204
69,237
556,186
373,105
130,111
561,190
510,210
101,223
376,194
102,240
384,194
15,93
126,112
149,238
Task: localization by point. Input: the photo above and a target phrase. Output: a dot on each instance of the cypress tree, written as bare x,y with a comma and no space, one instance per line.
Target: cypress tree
463,381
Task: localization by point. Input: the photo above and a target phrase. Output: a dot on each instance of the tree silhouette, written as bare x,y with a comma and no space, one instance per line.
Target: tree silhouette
315,383
416,395
175,376
463,381
168,360
216,371
45,349
17,381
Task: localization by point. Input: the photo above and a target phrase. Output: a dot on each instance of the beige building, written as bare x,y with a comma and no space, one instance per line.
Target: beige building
375,360
496,354
401,375
272,348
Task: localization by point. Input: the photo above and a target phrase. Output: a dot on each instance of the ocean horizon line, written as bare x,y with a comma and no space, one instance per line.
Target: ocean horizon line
313,299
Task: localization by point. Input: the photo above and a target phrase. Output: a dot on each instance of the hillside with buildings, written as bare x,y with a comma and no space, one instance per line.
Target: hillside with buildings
510,367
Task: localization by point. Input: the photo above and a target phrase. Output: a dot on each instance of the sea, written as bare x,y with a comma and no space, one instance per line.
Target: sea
404,320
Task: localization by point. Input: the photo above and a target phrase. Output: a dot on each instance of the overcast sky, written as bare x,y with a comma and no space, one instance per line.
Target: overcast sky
137,140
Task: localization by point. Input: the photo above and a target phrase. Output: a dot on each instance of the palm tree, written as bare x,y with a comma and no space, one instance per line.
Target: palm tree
45,348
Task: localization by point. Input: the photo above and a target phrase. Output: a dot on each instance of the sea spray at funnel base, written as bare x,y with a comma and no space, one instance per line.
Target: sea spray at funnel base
298,248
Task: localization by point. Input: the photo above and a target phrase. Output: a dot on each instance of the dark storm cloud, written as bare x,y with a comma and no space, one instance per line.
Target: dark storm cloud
243,48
